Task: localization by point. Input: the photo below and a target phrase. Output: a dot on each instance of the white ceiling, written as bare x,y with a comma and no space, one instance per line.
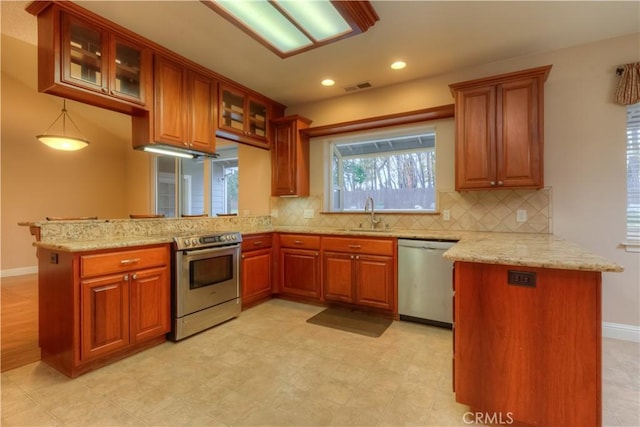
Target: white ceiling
432,37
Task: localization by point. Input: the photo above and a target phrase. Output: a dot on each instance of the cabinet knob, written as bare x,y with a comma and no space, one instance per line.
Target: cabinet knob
357,256
492,183
134,277
351,256
500,182
126,277
104,90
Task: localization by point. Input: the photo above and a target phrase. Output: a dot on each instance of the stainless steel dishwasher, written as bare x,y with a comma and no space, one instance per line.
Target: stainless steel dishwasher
425,292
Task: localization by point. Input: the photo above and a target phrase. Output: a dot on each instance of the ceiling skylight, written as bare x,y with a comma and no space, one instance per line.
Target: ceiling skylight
288,27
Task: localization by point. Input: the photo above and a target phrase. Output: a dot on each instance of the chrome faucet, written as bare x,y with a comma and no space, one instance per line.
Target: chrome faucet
368,204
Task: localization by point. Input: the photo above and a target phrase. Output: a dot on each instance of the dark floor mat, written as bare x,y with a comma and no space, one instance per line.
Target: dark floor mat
351,321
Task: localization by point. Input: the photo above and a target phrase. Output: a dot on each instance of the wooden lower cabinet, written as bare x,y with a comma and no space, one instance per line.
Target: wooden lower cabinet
104,322
359,271
299,266
529,352
338,273
98,307
300,272
257,268
149,304
374,281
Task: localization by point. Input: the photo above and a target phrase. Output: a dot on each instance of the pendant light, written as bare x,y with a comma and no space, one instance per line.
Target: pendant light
64,141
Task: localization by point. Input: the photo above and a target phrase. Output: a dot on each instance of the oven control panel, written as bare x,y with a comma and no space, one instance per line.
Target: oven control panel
208,240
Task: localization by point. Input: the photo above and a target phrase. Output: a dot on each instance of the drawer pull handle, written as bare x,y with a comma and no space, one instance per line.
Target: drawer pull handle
259,242
297,242
129,261
355,246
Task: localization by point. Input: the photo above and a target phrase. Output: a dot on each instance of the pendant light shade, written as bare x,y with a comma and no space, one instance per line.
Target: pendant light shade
63,141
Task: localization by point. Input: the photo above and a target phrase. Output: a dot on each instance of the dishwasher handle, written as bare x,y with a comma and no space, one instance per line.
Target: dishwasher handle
425,244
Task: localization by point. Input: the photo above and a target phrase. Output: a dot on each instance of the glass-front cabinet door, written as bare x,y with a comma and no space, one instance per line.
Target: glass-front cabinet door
232,111
257,119
102,62
243,116
126,72
83,54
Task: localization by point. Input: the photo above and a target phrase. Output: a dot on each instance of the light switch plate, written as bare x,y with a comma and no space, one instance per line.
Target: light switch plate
446,215
308,214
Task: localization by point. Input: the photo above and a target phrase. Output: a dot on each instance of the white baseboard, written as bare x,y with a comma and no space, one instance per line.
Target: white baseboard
19,271
620,331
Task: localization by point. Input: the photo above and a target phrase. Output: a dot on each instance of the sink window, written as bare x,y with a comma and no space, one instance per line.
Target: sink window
397,168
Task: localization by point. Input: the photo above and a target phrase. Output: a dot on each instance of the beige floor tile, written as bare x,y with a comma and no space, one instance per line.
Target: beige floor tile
34,416
269,367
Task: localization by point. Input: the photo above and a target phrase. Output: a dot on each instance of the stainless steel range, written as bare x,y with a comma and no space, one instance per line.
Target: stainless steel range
206,289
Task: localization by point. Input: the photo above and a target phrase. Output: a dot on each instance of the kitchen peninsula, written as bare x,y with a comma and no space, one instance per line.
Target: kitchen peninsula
527,335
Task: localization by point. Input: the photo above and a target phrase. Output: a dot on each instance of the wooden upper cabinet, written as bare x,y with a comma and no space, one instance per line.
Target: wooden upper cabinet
183,113
500,131
169,104
84,61
289,157
172,100
201,103
243,117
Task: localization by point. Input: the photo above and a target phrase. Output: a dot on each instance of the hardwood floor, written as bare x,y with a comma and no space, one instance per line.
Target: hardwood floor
18,321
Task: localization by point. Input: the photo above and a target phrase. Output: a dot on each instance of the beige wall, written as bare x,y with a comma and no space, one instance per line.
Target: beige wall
254,180
585,145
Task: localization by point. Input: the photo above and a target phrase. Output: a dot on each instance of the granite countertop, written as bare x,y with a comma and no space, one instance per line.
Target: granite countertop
522,249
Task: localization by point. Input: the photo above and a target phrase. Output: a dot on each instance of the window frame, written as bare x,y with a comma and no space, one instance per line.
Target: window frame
632,242
330,143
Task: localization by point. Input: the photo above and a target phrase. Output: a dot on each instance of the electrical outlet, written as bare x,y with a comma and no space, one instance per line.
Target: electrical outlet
308,214
446,215
521,215
274,213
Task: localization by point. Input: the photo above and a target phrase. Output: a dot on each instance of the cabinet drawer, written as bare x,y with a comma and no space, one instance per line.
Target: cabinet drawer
358,245
113,262
256,241
302,241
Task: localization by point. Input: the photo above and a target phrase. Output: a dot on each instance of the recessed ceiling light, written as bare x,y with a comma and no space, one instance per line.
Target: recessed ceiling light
398,65
328,82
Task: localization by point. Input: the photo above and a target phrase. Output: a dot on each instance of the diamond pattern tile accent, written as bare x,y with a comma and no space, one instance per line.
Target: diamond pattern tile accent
470,211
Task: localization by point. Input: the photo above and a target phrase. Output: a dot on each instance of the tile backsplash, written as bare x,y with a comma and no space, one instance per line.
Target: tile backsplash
469,211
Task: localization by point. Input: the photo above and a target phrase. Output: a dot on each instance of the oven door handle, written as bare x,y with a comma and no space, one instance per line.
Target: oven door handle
209,250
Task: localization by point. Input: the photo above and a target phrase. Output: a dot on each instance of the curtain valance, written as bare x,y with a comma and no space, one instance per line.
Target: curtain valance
628,91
